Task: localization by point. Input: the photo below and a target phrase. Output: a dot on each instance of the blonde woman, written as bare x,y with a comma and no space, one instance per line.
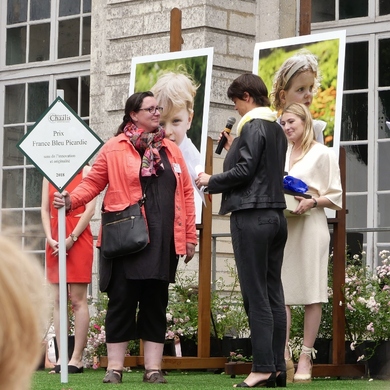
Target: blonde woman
305,271
23,300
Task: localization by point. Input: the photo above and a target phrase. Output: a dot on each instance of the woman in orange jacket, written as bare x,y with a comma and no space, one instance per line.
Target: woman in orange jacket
138,159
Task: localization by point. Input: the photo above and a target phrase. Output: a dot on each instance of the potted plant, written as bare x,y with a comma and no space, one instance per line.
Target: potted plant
367,302
182,313
238,364
230,321
367,319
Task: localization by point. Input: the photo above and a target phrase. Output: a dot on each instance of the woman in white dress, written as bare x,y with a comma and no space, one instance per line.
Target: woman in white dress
305,262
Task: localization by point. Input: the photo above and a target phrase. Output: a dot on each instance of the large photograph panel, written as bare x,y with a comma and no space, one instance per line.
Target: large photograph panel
181,83
329,51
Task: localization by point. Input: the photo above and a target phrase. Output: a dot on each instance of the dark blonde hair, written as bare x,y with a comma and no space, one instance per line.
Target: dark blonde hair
24,308
175,91
302,112
303,61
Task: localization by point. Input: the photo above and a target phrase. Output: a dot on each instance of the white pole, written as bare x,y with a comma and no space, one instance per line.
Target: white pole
63,289
63,296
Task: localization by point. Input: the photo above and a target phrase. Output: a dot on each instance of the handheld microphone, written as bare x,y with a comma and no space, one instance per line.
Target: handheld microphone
230,122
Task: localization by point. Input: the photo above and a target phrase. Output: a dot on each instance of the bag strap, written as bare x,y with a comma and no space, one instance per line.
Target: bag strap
143,199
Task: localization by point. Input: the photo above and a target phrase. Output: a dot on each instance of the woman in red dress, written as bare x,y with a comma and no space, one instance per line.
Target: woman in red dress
79,257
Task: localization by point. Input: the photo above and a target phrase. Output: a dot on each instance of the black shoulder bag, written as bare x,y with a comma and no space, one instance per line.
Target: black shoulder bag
124,232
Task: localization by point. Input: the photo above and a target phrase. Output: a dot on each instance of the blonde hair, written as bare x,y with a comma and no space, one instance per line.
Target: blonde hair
175,91
301,62
302,112
23,302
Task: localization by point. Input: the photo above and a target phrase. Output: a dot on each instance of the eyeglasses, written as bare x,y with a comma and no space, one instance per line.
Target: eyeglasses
152,109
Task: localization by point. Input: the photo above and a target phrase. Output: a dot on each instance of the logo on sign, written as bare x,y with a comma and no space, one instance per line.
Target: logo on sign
55,118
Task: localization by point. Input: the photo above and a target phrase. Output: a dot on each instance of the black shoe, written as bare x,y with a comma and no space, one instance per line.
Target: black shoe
270,382
56,369
281,379
75,369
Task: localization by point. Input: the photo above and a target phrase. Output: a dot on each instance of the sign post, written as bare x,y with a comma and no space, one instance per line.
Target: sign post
59,145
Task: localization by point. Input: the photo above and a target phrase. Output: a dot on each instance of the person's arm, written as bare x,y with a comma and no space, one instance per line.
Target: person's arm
306,204
45,216
328,183
250,148
85,218
89,188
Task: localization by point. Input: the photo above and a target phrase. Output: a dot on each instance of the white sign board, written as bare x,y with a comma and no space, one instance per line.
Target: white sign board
60,144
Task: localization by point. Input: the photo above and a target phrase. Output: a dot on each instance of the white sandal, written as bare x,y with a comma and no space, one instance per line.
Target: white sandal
311,353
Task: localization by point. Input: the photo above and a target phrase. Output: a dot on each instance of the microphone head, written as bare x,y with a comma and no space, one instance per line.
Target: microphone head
231,120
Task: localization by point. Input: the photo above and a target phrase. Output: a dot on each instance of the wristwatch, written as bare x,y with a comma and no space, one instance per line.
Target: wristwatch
73,237
315,202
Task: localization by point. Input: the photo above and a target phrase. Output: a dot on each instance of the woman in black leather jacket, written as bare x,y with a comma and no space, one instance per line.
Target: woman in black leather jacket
252,190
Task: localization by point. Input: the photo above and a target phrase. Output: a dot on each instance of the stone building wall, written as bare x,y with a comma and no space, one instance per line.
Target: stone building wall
122,29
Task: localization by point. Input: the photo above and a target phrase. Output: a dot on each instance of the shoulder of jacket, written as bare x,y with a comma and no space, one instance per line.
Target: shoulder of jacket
171,146
114,142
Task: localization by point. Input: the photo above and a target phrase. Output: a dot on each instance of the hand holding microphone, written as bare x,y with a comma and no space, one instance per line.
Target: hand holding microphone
230,122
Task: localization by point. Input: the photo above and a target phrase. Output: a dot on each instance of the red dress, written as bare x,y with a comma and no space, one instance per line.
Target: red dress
80,257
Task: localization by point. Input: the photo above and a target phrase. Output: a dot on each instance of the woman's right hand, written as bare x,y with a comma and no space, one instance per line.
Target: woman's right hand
61,200
53,245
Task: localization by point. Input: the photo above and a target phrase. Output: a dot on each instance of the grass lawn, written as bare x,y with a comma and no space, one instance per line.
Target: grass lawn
184,380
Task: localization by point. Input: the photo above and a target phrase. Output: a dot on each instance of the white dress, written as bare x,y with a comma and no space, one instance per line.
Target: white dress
305,262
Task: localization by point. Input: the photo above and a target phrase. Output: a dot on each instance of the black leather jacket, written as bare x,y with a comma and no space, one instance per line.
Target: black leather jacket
253,169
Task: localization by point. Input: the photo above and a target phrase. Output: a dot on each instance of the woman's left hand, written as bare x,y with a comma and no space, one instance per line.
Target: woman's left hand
190,252
69,243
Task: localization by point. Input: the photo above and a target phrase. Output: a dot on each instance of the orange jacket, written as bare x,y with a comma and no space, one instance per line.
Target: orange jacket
117,167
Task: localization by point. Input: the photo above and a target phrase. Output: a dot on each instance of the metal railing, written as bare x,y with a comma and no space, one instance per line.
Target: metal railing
215,236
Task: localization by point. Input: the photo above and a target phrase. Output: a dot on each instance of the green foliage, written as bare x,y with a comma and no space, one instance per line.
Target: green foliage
237,356
182,310
367,302
227,309
230,318
148,73
96,339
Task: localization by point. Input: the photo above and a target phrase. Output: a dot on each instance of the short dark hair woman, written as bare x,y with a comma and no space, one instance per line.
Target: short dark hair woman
252,190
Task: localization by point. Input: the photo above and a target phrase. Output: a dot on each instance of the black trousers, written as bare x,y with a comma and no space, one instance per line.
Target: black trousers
259,237
136,308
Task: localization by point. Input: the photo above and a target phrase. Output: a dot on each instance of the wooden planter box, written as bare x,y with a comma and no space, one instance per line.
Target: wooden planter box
238,368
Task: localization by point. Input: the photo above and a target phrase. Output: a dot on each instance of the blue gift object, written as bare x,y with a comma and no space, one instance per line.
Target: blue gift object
293,184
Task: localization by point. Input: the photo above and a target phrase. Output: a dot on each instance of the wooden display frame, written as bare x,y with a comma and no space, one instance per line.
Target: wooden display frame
203,360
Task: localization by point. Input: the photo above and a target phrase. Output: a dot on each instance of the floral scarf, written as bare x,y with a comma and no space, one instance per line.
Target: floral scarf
148,144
